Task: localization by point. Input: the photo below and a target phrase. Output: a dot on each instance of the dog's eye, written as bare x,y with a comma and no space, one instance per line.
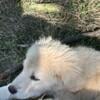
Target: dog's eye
32,77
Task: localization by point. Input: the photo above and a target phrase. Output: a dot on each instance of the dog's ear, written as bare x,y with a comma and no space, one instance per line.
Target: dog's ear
75,89
76,85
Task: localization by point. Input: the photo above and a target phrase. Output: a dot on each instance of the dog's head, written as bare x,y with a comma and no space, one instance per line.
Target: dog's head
36,78
48,66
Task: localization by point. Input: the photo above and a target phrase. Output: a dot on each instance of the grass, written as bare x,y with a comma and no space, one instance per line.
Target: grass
43,8
86,13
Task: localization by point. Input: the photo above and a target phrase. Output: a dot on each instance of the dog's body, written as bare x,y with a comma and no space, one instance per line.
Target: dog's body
57,67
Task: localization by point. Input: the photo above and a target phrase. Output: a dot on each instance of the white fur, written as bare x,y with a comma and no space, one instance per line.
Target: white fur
4,93
58,67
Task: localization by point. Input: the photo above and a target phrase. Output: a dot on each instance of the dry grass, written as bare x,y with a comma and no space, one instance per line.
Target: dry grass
84,13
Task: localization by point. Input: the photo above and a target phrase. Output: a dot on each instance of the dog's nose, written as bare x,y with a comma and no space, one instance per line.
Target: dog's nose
12,89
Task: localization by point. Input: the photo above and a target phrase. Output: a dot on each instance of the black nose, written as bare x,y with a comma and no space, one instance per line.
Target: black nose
12,89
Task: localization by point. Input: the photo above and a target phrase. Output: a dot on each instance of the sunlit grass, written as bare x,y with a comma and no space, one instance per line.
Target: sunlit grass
86,13
42,8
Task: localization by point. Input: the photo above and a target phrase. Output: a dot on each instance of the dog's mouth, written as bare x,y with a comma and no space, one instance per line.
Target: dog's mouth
43,96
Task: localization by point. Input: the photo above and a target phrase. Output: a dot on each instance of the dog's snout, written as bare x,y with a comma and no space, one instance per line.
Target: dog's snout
12,89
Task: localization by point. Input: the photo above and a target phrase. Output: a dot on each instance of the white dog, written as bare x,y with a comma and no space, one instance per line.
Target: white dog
50,67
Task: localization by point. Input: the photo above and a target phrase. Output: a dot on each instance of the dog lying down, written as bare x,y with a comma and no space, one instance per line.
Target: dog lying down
50,67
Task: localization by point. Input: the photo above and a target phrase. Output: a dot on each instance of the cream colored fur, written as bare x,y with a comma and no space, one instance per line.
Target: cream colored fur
58,67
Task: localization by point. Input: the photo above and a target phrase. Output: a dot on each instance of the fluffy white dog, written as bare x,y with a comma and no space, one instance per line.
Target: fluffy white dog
50,67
